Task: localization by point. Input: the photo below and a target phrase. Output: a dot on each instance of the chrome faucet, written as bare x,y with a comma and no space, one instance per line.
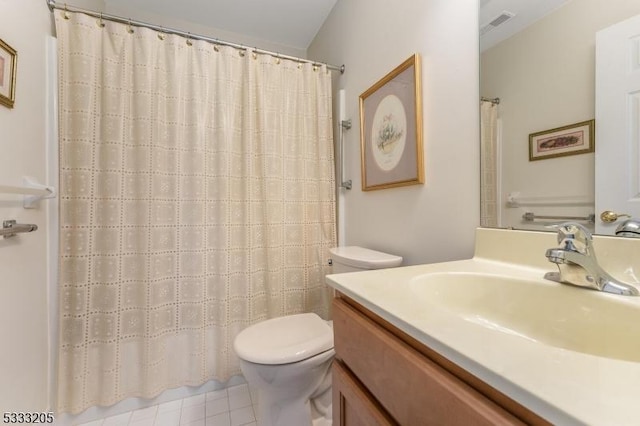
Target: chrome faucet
578,265
630,228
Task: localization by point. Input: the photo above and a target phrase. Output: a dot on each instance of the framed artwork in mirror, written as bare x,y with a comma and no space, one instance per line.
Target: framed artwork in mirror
391,129
578,138
8,67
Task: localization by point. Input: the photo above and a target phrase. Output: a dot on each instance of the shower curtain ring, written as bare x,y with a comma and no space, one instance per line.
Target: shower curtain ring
189,42
100,23
161,34
65,15
130,27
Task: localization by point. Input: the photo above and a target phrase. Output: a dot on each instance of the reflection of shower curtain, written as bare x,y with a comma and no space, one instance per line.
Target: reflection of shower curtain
489,164
197,197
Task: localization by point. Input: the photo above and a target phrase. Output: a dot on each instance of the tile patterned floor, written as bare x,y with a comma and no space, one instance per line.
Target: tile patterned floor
234,406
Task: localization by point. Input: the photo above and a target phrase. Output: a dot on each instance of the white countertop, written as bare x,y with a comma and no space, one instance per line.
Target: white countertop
563,386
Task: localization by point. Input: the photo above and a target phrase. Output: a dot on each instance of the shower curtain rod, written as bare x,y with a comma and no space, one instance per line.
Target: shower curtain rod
53,5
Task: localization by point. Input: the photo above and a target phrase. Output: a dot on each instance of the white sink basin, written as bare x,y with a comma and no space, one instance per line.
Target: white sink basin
566,317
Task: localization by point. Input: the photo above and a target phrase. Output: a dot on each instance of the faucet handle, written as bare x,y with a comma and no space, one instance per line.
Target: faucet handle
575,237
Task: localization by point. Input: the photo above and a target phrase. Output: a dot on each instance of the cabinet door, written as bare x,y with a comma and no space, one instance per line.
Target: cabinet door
411,388
352,403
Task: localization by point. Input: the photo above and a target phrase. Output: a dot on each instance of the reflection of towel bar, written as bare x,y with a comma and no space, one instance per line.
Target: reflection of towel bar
515,200
530,217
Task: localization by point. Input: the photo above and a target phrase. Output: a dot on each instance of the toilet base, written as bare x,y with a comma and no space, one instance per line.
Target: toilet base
313,412
297,395
321,409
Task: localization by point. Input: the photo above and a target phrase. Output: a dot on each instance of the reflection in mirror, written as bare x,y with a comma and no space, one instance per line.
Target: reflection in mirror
538,59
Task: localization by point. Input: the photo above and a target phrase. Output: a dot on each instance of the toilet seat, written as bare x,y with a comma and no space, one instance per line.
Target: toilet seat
284,340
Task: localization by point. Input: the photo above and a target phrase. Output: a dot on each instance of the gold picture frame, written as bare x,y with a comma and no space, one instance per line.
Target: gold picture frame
577,138
8,68
391,129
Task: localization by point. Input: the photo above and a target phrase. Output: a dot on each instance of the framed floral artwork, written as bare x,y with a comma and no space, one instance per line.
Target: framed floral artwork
391,129
8,66
573,139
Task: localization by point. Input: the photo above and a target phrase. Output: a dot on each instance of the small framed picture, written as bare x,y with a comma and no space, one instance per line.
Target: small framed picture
391,129
578,138
8,67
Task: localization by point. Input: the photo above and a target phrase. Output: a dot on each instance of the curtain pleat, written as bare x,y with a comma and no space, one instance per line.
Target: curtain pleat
197,198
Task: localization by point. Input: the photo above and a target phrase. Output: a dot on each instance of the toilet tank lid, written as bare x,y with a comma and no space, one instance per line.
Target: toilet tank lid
364,258
283,340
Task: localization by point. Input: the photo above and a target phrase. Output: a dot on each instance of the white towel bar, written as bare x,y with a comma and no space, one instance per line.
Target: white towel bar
32,190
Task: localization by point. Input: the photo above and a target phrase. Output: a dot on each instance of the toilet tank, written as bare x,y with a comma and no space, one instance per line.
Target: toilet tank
354,258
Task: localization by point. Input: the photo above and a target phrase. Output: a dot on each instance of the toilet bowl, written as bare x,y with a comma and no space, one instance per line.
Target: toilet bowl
288,359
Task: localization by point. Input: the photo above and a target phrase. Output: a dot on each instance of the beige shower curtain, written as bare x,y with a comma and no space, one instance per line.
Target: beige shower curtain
489,164
197,197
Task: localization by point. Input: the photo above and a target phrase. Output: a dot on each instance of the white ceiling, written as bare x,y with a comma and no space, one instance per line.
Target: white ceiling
527,12
292,23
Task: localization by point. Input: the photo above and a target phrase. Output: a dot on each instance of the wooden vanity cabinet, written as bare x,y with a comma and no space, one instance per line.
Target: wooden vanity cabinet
382,376
357,406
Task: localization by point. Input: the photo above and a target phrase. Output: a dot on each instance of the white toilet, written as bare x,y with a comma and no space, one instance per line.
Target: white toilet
288,359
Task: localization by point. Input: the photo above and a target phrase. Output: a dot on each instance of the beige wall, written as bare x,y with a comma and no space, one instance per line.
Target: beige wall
24,25
435,221
545,78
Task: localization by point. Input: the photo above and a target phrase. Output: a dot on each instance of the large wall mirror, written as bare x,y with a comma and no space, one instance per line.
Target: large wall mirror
538,66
